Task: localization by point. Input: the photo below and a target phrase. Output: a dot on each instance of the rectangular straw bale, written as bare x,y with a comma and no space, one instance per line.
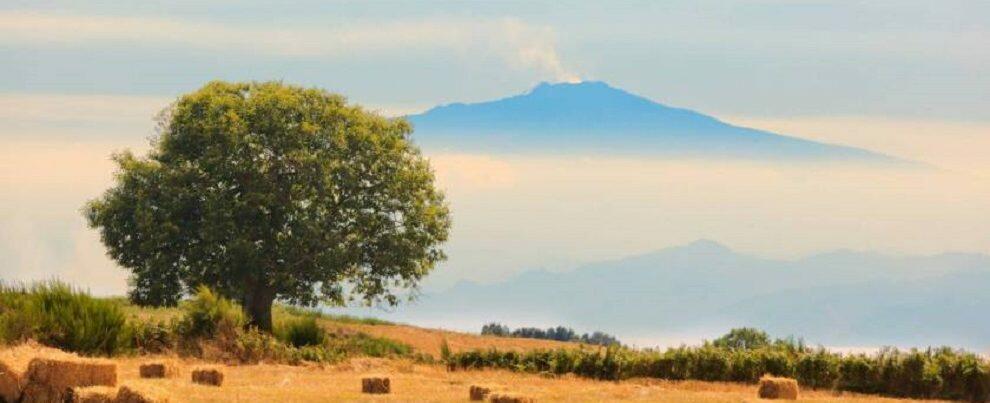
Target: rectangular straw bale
376,385
70,372
160,369
14,364
51,378
94,394
141,394
479,393
208,376
510,398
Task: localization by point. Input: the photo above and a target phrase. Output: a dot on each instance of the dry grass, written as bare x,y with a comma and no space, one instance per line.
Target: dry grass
428,341
143,393
94,394
413,382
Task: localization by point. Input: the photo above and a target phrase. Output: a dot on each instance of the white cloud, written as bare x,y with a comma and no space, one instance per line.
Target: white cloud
520,44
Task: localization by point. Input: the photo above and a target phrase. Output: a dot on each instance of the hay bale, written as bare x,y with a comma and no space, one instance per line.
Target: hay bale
93,394
72,372
208,376
31,372
510,398
159,370
40,393
376,385
142,394
778,388
14,363
479,392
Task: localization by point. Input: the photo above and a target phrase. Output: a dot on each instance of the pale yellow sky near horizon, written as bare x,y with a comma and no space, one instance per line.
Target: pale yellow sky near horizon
514,213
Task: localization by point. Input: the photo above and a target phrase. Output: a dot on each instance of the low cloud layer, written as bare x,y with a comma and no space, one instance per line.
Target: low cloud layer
517,213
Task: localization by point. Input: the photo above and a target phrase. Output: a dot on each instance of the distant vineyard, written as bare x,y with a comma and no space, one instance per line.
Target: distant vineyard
744,355
558,333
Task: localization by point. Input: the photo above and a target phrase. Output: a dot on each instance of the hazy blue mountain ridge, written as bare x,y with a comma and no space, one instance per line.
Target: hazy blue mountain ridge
837,298
595,117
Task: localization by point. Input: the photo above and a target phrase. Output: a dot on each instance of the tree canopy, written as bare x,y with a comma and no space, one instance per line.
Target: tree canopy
744,338
266,191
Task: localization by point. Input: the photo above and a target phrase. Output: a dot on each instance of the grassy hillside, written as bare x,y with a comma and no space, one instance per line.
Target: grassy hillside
420,340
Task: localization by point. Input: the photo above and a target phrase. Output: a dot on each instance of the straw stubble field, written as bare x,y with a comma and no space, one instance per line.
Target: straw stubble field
414,382
418,382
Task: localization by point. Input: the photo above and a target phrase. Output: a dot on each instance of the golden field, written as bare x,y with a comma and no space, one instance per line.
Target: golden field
418,382
429,383
429,340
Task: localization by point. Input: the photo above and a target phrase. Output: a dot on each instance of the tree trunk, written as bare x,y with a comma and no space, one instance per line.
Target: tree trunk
258,306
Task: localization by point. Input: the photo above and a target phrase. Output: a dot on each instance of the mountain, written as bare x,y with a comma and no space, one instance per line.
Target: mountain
841,298
595,117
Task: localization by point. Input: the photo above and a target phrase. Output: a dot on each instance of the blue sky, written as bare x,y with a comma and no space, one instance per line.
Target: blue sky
79,80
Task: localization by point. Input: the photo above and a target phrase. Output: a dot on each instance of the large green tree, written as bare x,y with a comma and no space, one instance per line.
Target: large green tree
266,191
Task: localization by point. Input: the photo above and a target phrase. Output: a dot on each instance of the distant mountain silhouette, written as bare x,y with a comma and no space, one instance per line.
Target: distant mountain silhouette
595,117
839,298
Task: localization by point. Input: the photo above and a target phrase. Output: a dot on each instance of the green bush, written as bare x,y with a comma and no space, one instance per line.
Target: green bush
818,370
300,332
210,315
253,346
59,316
152,337
16,324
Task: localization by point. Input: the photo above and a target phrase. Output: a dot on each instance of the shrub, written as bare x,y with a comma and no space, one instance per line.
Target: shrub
818,370
210,315
710,364
745,338
300,332
152,336
444,350
16,324
559,333
254,346
858,374
69,319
